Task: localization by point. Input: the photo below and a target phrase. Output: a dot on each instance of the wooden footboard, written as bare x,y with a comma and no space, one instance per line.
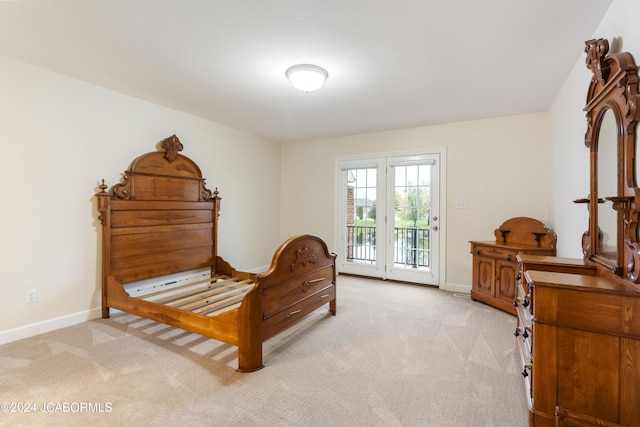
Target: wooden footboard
302,278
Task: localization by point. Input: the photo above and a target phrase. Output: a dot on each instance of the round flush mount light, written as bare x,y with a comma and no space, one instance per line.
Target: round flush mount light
307,77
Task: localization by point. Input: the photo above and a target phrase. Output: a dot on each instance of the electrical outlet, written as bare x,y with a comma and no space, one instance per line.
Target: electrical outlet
462,204
32,296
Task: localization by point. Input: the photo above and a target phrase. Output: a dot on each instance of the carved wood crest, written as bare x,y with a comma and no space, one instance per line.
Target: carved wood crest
172,146
160,175
596,51
304,256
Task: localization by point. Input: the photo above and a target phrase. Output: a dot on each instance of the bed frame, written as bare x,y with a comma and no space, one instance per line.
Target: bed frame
161,219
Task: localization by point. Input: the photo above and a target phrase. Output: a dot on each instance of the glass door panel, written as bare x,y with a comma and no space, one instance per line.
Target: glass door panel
389,218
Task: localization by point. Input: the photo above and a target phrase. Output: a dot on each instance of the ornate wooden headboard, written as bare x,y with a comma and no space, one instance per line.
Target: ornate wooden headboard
160,219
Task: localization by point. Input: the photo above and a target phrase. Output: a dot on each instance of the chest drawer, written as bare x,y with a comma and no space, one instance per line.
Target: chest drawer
494,252
525,321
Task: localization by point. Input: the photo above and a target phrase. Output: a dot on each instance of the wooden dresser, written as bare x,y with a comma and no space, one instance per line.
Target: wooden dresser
578,338
578,333
495,264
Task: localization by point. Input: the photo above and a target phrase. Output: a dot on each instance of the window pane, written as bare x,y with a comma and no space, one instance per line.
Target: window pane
361,215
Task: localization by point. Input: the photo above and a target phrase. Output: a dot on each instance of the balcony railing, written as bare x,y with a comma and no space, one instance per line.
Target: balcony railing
411,245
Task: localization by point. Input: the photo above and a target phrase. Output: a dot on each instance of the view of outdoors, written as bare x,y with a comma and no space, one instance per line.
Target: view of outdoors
412,201
361,215
412,190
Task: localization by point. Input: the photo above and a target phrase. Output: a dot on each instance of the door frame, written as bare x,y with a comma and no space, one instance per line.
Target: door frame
393,271
373,157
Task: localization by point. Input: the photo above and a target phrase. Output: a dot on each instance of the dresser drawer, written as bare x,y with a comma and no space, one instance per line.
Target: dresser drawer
524,330
494,252
523,352
524,298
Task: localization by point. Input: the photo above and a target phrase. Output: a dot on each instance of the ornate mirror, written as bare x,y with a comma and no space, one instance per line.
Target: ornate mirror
612,112
607,167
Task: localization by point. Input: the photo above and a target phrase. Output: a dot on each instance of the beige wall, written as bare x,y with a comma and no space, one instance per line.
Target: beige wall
569,156
499,165
59,138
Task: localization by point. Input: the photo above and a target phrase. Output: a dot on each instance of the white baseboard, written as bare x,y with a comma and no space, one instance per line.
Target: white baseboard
454,287
257,270
44,326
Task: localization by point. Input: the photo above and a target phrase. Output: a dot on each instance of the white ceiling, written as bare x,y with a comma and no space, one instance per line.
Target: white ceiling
392,63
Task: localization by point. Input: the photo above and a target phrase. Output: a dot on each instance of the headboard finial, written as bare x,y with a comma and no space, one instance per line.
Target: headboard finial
171,145
103,187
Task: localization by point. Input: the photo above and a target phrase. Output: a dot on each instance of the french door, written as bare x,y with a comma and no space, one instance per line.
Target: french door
390,224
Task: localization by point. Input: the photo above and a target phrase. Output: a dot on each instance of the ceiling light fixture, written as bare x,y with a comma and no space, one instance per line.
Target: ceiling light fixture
307,77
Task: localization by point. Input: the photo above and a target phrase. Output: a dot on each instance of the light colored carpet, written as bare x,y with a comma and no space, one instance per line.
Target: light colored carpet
395,355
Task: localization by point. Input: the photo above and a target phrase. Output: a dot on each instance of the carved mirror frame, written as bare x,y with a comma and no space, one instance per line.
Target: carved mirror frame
613,88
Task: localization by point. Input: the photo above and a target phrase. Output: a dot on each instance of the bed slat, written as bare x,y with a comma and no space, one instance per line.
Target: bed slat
203,292
234,297
176,288
219,311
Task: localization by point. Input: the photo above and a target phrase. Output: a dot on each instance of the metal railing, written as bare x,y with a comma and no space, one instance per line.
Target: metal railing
411,245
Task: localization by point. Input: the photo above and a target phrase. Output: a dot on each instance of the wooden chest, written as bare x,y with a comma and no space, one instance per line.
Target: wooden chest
495,265
494,272
579,344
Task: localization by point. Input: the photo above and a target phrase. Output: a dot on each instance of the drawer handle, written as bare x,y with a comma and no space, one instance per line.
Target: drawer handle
509,257
526,332
321,297
293,313
517,332
524,371
307,283
525,302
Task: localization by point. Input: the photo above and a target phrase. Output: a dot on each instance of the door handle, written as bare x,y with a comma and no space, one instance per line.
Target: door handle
434,228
